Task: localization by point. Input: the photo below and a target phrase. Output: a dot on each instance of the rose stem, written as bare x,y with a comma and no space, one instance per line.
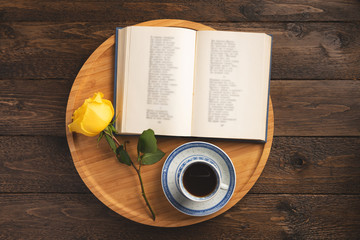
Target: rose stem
139,175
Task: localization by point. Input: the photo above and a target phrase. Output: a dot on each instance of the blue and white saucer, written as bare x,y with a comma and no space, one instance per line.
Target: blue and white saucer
204,151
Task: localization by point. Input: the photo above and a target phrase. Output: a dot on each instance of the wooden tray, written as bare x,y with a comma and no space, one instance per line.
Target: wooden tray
117,185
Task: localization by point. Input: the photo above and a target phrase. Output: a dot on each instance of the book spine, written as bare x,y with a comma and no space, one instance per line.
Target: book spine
115,73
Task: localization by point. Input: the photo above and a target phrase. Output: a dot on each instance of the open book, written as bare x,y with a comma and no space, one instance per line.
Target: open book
182,82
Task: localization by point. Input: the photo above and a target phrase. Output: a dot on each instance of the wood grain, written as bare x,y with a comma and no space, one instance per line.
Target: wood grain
37,164
44,43
301,50
74,216
100,170
299,107
33,107
200,11
312,165
327,104
298,165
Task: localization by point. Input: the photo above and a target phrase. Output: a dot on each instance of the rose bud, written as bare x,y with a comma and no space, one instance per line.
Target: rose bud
93,116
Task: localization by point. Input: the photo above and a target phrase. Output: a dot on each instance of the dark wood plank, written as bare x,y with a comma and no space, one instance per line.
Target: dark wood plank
63,216
301,108
227,10
316,108
37,164
296,165
311,165
33,107
309,50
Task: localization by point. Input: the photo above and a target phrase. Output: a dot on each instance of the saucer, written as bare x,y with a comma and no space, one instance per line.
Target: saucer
197,150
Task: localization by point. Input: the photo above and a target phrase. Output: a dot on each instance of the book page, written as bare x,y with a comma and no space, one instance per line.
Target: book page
158,83
231,85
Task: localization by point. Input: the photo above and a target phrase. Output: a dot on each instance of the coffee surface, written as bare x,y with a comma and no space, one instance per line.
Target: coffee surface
199,179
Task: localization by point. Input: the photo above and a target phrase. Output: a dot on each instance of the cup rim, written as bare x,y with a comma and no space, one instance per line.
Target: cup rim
192,197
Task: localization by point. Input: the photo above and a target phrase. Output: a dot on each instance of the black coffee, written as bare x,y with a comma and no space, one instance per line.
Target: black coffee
199,179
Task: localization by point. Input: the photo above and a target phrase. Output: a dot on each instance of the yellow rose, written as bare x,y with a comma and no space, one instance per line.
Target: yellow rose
93,116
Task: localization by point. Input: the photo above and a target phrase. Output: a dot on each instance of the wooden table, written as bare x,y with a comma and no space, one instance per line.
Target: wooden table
310,187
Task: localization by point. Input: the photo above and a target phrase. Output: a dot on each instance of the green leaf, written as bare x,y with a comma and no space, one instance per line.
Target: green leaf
123,156
111,142
112,128
100,137
151,158
114,120
147,142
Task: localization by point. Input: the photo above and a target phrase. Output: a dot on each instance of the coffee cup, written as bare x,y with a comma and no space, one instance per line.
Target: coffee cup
199,178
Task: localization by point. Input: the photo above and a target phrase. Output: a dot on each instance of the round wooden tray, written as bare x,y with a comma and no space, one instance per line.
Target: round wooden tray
117,185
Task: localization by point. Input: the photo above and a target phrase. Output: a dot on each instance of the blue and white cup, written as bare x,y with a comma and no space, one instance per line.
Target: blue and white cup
213,198
215,171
